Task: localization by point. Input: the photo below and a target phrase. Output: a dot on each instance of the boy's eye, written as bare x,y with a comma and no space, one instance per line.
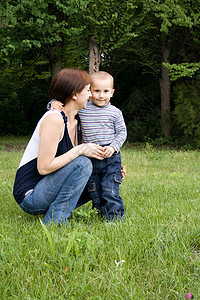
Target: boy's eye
106,91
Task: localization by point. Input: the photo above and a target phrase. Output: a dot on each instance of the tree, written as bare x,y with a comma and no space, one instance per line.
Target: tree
94,55
108,25
38,36
169,16
40,26
160,25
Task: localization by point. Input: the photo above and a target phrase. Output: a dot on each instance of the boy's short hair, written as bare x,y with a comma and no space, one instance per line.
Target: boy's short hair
102,75
68,82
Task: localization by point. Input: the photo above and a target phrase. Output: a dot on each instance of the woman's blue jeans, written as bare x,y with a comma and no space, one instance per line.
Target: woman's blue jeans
58,193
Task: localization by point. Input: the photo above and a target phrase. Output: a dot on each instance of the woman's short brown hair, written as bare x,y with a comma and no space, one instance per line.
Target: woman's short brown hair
67,82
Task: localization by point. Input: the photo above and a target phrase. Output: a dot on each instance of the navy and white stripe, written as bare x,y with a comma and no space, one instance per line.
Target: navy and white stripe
103,125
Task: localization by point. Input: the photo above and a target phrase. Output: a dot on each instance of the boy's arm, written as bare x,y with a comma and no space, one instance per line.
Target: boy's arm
120,137
121,133
54,104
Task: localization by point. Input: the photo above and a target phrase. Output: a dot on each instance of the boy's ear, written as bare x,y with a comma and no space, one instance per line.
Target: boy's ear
112,92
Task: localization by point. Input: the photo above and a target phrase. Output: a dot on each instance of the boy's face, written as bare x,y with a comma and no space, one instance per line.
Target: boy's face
102,91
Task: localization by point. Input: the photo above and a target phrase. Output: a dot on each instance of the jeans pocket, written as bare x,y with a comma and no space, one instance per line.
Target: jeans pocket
28,193
91,187
118,178
95,197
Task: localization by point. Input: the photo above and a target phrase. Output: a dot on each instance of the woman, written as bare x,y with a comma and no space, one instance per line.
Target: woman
54,169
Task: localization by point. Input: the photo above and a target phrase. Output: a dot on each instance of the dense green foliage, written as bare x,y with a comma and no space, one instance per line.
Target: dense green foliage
134,37
153,254
187,100
23,102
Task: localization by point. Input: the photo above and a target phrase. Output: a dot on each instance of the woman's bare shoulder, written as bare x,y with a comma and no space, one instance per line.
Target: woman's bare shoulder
52,122
53,117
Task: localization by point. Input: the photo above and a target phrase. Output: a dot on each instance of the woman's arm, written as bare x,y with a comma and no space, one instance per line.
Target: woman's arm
51,131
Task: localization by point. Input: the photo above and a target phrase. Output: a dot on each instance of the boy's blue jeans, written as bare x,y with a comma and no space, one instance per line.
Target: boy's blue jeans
103,186
58,193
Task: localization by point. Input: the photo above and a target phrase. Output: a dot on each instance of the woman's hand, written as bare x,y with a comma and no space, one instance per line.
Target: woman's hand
92,150
123,172
57,105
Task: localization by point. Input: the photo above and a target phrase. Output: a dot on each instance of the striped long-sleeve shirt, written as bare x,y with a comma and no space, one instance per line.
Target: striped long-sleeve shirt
103,125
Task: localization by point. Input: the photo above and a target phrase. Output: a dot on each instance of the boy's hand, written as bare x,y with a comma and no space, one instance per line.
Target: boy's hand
57,105
108,151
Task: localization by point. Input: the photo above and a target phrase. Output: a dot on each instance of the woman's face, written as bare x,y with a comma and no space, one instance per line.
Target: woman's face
83,96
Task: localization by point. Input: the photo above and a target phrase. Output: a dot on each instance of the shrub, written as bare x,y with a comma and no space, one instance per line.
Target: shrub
186,112
144,128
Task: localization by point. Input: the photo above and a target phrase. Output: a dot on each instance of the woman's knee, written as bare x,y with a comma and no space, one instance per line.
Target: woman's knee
85,164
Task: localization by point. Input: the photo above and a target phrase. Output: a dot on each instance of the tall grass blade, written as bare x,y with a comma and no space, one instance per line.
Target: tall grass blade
51,242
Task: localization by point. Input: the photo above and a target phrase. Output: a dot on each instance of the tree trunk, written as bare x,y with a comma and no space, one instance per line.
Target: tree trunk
55,67
94,56
165,93
55,54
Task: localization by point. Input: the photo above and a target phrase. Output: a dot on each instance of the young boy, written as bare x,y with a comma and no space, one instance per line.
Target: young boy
103,124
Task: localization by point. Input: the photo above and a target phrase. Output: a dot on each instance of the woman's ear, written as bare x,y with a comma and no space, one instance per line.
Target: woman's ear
74,97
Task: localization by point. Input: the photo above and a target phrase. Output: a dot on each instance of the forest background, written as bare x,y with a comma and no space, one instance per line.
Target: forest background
151,47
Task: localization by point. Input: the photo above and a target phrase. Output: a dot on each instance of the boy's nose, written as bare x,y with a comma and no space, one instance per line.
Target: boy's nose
101,95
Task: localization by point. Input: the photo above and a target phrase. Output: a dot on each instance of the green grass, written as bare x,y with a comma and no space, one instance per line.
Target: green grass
158,244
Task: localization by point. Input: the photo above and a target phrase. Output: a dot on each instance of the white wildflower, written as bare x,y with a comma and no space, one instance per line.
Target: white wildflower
117,263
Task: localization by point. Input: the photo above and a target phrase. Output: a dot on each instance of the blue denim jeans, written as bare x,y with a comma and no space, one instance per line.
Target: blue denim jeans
103,186
57,194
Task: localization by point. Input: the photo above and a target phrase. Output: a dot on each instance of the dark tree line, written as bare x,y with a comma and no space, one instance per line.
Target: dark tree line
150,47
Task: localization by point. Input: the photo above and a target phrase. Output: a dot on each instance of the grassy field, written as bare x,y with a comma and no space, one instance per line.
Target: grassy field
153,254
